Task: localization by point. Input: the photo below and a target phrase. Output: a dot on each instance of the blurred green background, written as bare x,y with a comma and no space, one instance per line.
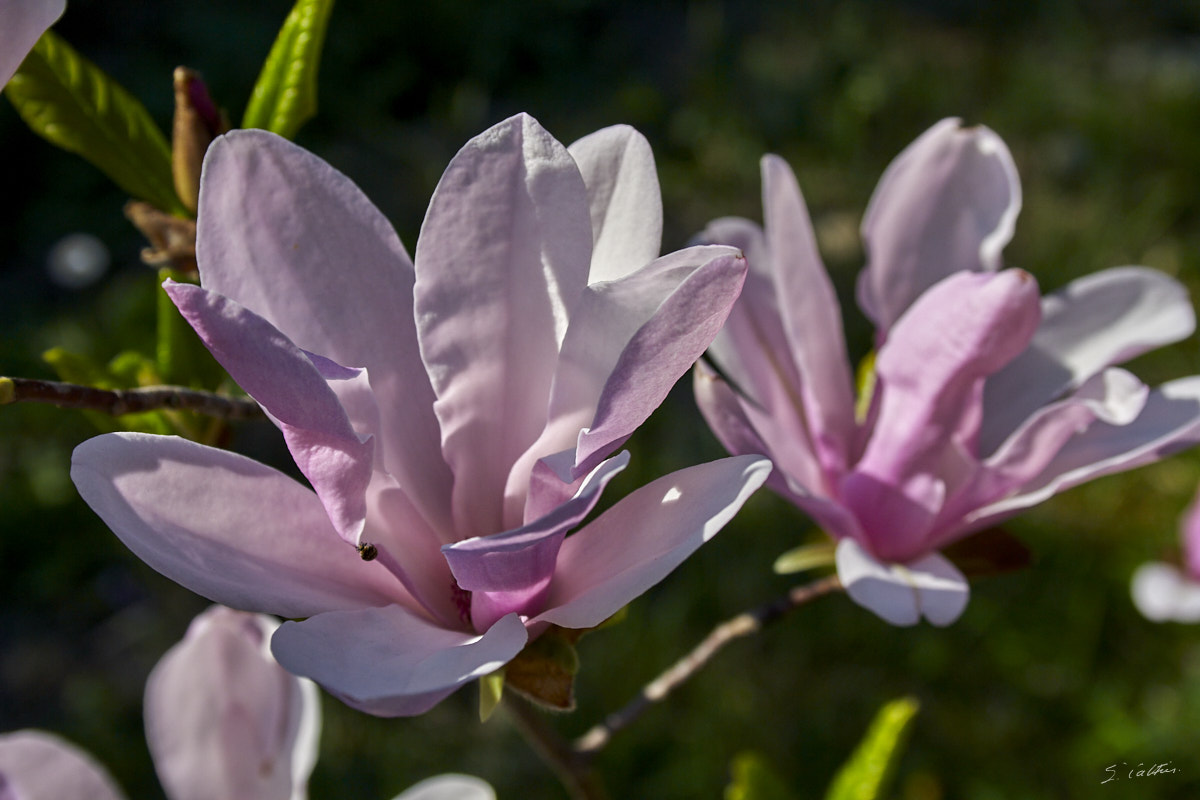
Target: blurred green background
1051,675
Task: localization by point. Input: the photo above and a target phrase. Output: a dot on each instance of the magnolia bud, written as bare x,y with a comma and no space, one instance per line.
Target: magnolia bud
197,122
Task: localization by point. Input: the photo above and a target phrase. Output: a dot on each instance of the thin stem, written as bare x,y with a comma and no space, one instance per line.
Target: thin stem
127,401
743,624
573,769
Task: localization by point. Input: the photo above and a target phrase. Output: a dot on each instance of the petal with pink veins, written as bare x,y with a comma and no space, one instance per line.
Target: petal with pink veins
224,720
812,318
1114,397
658,354
501,261
929,372
947,204
390,663
225,526
612,317
929,587
1169,423
641,539
510,572
1089,324
286,235
293,390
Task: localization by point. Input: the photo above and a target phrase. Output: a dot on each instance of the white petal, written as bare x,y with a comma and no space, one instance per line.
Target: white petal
449,787
901,594
1164,594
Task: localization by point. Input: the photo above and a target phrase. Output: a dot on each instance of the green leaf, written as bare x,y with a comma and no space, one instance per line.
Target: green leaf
806,556
753,779
491,690
866,387
285,95
71,102
863,776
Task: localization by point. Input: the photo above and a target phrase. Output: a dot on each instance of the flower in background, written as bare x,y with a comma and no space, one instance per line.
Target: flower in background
223,721
1166,593
454,417
986,397
22,22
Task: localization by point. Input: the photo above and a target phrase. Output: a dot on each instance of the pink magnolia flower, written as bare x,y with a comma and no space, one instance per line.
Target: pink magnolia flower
453,417
22,23
988,398
1167,593
223,721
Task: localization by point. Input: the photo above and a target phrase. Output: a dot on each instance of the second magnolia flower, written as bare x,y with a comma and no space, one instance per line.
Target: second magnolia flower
988,397
455,417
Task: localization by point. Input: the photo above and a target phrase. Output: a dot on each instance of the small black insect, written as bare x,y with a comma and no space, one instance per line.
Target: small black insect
367,551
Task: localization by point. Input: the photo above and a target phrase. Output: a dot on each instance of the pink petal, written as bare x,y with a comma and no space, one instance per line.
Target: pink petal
501,261
224,526
930,373
626,205
22,23
745,429
287,383
1169,422
675,333
1164,594
812,318
1091,323
390,663
39,766
510,572
929,587
224,720
754,329
947,204
1114,397
410,548
1190,535
449,787
613,322
640,540
745,351
286,235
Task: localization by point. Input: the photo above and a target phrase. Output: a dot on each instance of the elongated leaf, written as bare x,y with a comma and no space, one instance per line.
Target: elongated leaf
753,779
804,557
285,95
71,102
491,691
863,776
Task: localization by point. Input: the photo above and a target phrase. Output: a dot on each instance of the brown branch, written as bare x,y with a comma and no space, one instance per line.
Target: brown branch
127,401
743,624
573,769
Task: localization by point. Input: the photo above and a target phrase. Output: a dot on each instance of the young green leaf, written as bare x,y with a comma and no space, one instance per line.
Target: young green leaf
753,779
805,557
71,102
285,95
863,776
491,691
